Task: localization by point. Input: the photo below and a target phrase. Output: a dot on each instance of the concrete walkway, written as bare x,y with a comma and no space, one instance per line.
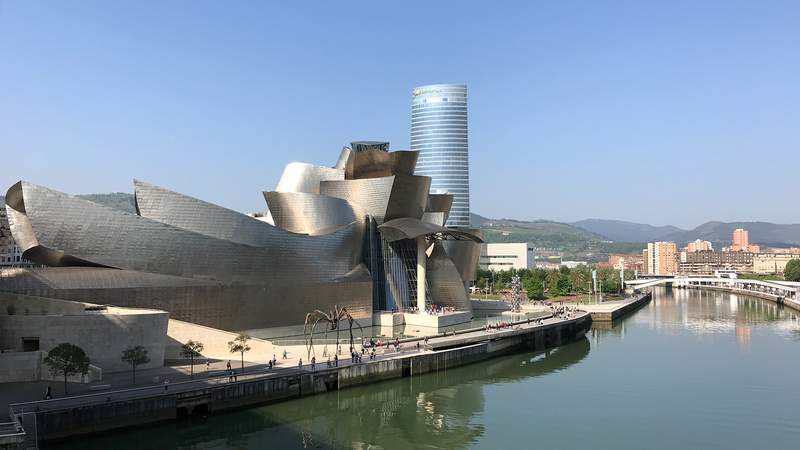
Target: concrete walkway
151,381
614,309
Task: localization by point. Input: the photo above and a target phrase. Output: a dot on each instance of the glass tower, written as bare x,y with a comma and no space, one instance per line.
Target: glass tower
439,133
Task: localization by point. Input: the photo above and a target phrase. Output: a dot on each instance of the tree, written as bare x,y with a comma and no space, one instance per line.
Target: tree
552,281
68,360
135,356
534,288
579,279
609,279
239,345
191,349
792,270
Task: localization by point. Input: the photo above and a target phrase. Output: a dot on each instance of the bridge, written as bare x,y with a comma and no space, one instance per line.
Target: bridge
779,291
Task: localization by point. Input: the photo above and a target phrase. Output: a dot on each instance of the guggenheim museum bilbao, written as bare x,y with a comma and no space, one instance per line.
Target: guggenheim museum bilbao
365,234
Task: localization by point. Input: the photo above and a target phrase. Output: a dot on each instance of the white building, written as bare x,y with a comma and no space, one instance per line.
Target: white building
10,254
506,256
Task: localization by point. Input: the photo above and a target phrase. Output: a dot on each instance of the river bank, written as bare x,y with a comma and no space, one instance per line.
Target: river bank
71,417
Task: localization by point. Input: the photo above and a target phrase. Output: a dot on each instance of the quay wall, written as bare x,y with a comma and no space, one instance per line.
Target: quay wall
82,418
762,295
611,315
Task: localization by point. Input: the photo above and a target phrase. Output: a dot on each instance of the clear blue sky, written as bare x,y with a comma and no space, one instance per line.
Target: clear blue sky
631,110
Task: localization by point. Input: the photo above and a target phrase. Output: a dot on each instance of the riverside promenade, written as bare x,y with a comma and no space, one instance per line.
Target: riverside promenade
58,419
613,310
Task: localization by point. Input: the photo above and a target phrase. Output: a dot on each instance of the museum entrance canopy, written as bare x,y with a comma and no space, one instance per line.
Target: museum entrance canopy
411,228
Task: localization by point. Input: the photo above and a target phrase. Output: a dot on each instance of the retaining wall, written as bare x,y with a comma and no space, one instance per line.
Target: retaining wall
92,418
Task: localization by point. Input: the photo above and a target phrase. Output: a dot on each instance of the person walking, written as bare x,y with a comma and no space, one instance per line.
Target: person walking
229,365
48,394
300,363
208,365
285,354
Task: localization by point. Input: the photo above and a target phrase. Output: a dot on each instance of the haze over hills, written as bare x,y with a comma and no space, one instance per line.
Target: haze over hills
719,233
621,231
574,242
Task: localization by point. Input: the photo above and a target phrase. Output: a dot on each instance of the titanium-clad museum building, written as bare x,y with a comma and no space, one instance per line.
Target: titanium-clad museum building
366,234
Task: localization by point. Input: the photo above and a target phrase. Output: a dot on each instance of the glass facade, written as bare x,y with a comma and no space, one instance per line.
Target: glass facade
439,133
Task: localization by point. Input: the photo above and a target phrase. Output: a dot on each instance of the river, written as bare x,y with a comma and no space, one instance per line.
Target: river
691,369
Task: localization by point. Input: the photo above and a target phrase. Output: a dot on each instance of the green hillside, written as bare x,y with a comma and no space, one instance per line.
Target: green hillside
575,243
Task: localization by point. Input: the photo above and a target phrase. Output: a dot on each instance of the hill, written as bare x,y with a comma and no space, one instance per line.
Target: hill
574,242
719,233
622,231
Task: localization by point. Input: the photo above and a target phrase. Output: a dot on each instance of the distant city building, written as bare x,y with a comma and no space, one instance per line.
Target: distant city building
707,262
10,253
661,258
740,242
699,246
625,261
572,264
506,256
790,250
773,262
439,133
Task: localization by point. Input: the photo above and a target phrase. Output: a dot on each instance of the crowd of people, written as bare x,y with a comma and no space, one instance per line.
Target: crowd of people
562,311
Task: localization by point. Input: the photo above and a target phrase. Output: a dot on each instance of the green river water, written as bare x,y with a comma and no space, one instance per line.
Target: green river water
691,369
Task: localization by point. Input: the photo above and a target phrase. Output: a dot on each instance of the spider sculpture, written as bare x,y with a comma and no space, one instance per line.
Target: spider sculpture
333,320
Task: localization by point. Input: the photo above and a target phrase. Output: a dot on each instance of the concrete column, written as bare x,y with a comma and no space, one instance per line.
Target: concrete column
421,260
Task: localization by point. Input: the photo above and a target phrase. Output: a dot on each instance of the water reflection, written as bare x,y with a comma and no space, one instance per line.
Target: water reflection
714,365
436,409
707,312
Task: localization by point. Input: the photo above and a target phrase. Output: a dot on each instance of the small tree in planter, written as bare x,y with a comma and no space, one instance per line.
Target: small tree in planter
191,349
239,345
67,359
135,356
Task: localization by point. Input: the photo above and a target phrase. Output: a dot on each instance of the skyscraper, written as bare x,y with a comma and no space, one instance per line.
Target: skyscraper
439,133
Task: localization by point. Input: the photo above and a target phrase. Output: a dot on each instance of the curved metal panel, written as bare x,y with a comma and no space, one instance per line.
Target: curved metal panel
440,203
368,196
465,254
188,213
302,177
409,197
378,163
410,228
445,284
225,306
344,157
384,198
300,212
436,218
83,231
